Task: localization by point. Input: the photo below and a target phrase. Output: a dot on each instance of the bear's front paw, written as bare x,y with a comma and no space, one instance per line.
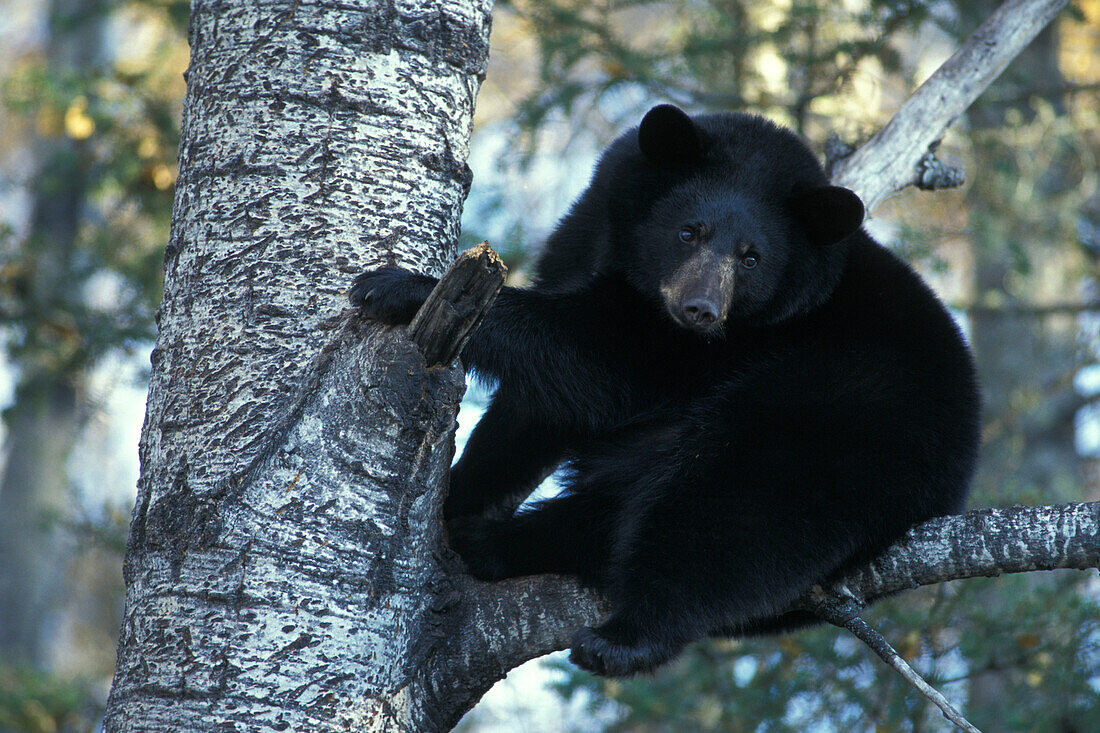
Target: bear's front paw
595,651
476,541
390,295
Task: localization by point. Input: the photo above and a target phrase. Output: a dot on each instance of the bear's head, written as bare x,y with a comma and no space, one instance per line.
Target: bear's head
726,217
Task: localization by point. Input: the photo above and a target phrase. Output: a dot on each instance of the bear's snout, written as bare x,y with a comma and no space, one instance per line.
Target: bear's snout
700,313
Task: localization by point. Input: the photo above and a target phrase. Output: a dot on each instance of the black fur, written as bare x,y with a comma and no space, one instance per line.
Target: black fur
751,394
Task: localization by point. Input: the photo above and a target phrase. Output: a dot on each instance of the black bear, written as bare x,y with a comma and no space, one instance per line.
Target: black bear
750,395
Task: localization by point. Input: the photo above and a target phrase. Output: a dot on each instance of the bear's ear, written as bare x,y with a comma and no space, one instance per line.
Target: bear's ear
828,213
667,136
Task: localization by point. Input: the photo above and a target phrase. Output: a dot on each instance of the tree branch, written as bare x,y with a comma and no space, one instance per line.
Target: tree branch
980,543
873,639
984,543
895,157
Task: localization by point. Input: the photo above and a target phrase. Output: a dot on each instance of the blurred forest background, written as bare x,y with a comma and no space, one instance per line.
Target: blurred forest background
90,101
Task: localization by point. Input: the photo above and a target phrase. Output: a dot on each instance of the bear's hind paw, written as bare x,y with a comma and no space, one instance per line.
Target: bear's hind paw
600,655
474,539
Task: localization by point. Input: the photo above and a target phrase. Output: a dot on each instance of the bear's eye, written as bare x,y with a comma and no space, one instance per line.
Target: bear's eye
749,261
686,235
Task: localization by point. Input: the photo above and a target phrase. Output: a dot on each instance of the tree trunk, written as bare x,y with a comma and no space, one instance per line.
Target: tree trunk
34,495
285,566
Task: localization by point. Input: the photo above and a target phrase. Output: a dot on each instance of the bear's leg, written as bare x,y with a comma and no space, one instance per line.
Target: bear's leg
629,643
505,460
569,534
692,554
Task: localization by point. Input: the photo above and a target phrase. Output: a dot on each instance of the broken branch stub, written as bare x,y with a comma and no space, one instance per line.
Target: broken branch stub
457,305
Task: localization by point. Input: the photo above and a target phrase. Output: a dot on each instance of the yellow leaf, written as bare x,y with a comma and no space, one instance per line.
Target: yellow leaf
148,147
163,177
78,125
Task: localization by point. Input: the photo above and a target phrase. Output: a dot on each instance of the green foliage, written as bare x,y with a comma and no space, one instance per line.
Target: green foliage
706,54
83,277
36,702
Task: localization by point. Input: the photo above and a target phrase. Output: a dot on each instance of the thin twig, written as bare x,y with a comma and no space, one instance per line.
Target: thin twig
875,640
840,606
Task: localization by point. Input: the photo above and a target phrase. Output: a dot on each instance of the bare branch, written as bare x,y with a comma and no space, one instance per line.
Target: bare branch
984,543
889,161
873,639
980,543
839,607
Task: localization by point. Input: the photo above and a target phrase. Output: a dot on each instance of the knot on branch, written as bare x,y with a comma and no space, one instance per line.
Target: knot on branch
836,150
933,174
835,604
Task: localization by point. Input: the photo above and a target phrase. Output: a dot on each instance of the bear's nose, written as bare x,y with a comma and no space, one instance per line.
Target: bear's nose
700,312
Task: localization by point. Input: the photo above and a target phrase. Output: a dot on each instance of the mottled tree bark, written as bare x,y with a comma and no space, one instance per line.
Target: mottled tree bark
286,567
984,543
